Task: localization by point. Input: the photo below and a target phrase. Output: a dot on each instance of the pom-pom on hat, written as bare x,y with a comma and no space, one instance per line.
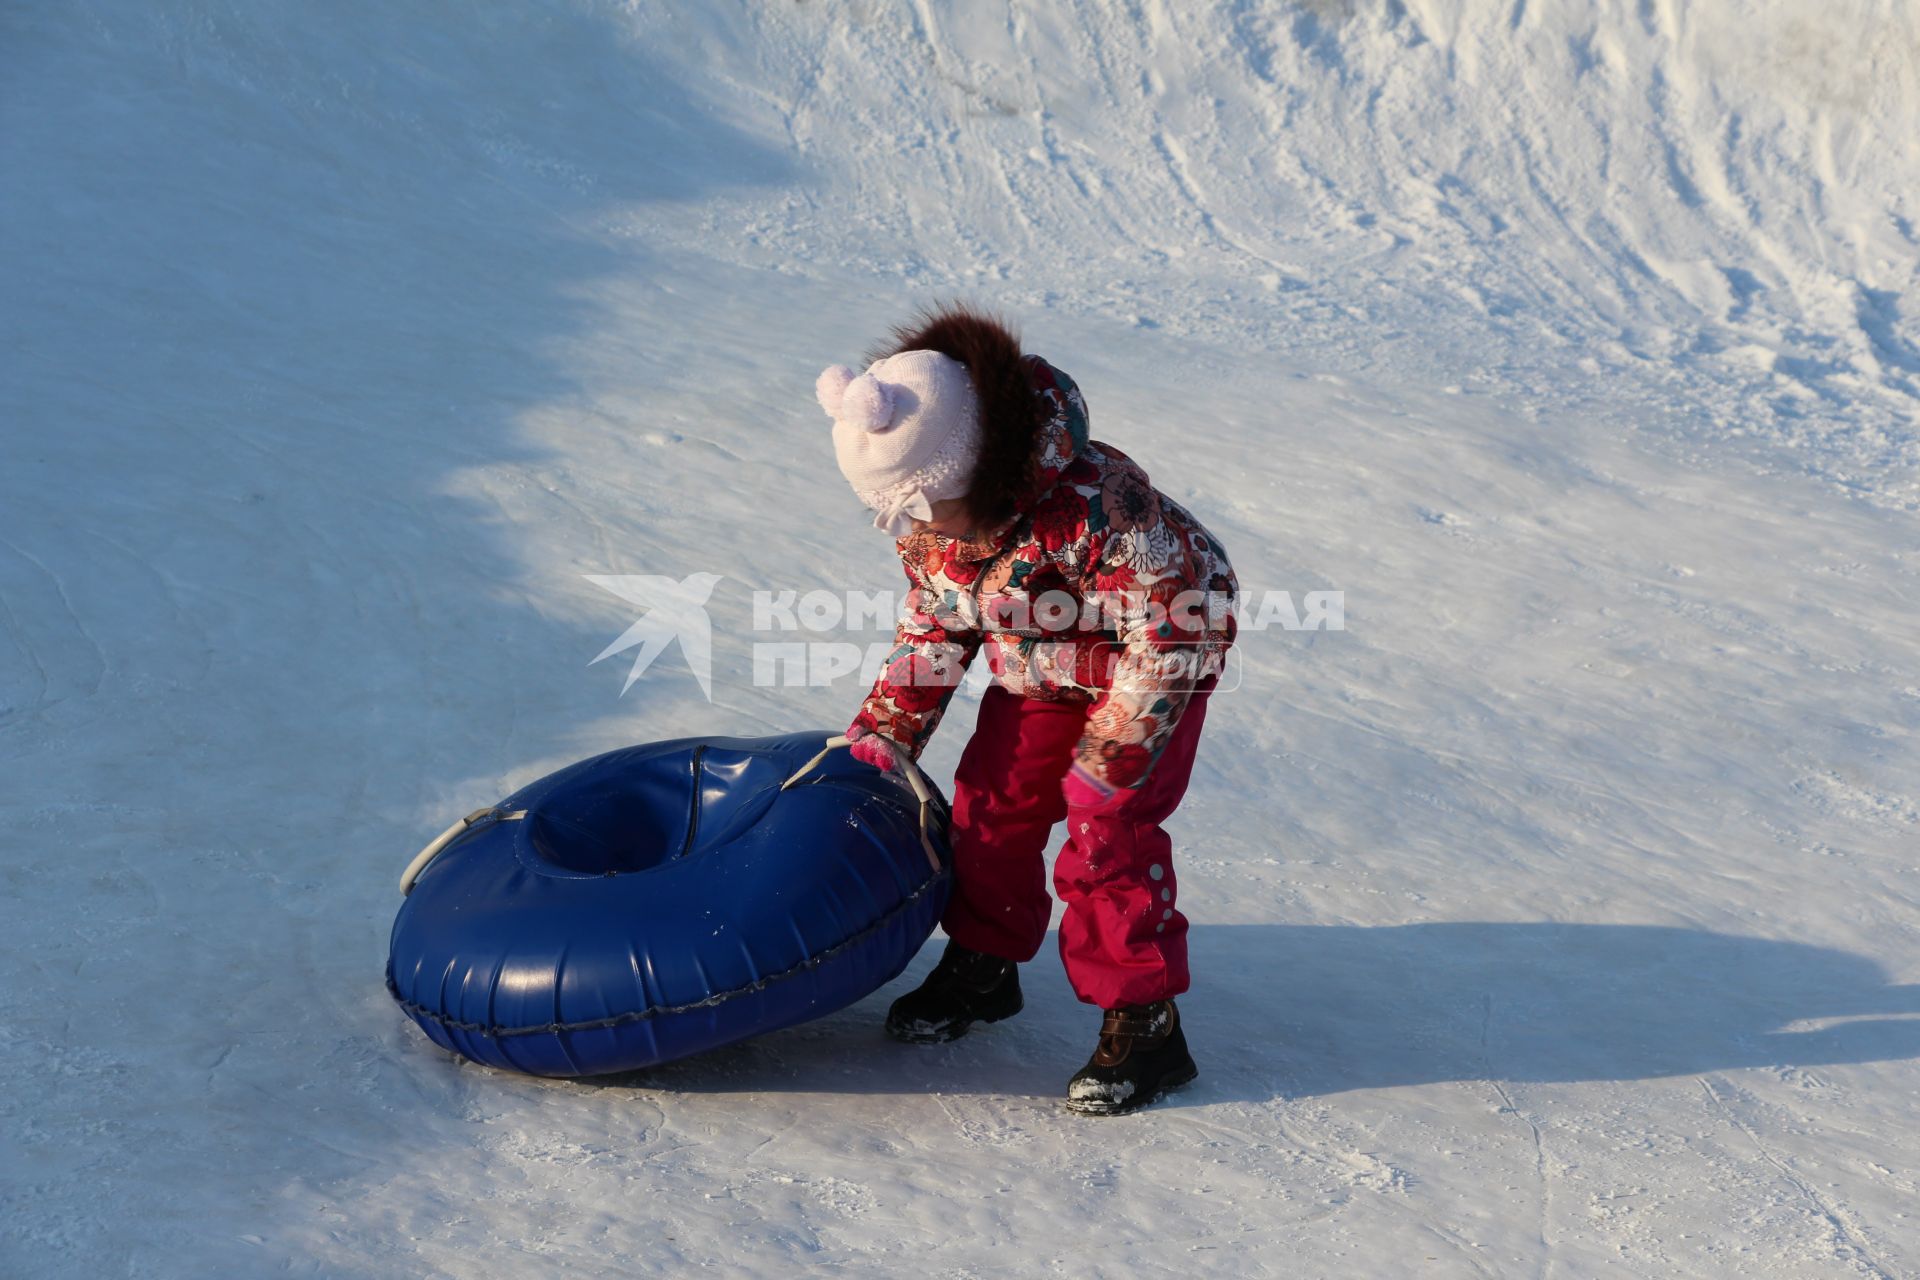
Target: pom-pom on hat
906,433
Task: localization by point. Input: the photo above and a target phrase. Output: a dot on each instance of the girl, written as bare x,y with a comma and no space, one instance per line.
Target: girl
1104,609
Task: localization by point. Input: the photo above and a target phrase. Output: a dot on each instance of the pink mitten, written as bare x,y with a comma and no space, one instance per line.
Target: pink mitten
871,748
1089,794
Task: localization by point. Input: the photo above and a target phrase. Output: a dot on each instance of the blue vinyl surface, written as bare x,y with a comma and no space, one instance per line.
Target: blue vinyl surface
665,899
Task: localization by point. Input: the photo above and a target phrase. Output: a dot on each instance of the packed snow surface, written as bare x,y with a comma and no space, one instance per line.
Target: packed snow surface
1558,917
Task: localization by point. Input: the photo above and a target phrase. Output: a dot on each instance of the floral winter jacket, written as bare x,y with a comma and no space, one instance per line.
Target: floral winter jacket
1099,589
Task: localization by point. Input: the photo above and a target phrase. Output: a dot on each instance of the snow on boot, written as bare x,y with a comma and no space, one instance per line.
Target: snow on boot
964,988
1142,1053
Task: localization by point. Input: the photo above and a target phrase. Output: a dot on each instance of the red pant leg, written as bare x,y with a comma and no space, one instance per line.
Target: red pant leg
1122,940
1006,800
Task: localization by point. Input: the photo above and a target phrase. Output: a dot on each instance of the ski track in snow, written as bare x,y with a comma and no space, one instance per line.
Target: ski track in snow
1557,917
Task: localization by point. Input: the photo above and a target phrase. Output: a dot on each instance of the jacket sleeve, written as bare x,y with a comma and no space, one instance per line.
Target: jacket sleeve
1150,593
932,647
1132,720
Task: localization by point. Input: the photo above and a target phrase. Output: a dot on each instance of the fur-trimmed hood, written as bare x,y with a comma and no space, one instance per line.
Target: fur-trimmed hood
1024,406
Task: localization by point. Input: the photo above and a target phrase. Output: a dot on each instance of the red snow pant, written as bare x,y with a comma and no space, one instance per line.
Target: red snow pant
1122,939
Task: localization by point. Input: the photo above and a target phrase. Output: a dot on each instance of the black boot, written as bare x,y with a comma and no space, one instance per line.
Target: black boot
964,988
1142,1054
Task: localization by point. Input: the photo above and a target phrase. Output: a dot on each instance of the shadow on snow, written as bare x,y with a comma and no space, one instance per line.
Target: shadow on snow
1283,1011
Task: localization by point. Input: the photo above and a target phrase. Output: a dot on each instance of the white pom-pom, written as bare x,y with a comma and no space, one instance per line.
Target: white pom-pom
867,404
831,386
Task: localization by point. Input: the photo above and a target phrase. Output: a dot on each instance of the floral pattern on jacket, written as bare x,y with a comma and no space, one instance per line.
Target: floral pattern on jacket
1099,589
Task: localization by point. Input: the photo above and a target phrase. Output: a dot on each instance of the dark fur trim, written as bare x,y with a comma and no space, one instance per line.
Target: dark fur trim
1007,473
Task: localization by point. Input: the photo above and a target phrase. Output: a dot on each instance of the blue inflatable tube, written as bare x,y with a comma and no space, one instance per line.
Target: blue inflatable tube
666,899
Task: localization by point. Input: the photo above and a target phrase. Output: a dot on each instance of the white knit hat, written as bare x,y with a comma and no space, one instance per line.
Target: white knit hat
906,433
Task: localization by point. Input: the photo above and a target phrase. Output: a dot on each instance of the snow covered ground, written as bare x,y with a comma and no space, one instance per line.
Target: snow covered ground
1558,917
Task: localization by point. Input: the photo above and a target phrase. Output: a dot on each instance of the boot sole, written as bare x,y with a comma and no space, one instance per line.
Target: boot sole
1094,1107
953,1031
